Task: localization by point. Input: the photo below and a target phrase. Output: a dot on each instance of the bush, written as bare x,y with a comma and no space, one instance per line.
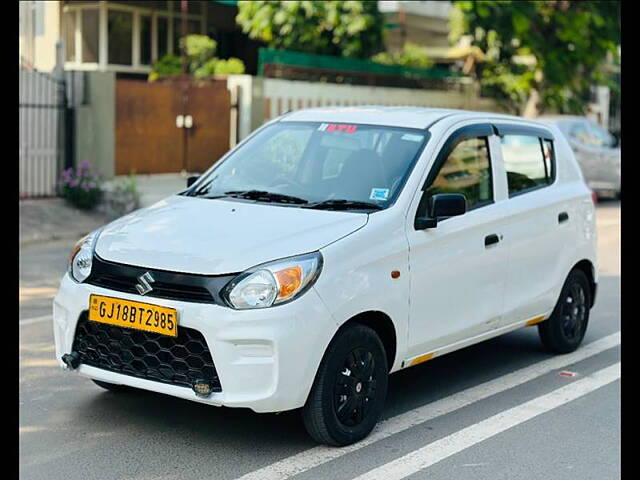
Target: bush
81,187
231,66
120,196
216,66
411,55
168,65
201,60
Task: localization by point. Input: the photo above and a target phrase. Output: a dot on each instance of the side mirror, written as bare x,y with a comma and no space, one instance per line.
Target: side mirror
441,205
192,180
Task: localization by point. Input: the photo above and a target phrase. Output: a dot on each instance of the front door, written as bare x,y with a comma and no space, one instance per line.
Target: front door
458,268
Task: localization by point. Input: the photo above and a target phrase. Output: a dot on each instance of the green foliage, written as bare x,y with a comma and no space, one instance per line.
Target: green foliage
168,65
199,49
231,66
200,53
340,28
567,40
215,66
411,55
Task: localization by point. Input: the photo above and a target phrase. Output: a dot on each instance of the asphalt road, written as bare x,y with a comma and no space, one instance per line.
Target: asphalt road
498,410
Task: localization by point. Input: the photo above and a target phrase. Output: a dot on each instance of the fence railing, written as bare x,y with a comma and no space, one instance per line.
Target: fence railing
351,71
42,110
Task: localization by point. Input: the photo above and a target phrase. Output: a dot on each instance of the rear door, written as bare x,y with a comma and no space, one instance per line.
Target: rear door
541,222
458,269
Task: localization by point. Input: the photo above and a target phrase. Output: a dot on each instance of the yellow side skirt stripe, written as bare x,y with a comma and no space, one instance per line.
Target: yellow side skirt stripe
534,320
421,359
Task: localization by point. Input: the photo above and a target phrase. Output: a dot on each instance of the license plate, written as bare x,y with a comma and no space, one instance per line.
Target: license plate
136,315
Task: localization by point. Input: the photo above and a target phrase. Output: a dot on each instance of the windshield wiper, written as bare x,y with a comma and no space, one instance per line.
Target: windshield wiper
342,204
266,196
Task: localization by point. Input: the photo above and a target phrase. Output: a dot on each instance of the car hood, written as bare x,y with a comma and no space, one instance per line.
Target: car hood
219,236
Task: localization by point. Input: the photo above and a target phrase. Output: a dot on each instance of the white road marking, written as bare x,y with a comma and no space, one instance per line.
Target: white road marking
29,321
313,457
467,437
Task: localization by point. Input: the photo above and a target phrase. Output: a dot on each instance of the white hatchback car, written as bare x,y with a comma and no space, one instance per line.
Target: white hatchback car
332,247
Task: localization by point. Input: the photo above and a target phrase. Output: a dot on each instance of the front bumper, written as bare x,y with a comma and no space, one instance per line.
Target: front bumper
266,359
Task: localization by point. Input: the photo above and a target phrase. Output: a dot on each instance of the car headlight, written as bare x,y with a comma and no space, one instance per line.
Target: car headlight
81,257
273,283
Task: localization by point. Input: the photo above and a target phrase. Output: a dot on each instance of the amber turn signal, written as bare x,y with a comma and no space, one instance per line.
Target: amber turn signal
289,280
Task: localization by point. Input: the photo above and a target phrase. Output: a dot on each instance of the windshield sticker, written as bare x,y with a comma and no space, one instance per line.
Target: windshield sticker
412,138
379,194
337,127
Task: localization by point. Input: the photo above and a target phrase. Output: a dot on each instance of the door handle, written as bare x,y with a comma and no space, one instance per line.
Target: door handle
563,217
491,240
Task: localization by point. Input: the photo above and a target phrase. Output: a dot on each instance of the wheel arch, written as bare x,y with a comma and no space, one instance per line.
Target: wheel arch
588,269
384,327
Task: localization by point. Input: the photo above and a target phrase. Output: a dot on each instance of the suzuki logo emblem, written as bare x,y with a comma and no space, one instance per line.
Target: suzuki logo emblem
144,286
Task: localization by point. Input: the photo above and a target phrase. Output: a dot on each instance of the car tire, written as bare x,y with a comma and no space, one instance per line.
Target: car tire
112,387
350,388
564,330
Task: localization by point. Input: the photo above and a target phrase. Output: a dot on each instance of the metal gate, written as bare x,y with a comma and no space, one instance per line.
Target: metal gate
170,126
43,110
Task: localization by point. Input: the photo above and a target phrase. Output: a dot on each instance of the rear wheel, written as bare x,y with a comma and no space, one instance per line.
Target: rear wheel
112,387
348,394
564,330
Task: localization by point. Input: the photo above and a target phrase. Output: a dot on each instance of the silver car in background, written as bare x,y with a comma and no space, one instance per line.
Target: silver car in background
597,152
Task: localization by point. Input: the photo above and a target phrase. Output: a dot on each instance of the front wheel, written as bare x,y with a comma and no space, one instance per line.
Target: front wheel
564,330
348,394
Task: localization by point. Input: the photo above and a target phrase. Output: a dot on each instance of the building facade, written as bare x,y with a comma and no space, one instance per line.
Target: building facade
125,36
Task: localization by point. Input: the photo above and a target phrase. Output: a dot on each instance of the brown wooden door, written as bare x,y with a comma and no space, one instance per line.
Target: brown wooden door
209,105
148,140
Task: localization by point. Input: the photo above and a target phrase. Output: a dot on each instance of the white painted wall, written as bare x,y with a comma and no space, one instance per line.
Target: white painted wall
39,31
264,98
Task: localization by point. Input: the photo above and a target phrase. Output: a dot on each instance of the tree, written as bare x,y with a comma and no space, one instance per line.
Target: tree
340,28
568,42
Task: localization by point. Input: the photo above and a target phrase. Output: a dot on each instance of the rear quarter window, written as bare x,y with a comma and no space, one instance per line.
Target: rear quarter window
528,161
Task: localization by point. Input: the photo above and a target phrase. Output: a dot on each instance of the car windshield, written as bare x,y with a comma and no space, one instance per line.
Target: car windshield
317,165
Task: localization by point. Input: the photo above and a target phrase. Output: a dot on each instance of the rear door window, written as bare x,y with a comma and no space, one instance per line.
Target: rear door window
528,161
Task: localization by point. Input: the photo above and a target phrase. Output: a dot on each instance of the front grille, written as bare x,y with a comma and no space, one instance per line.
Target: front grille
170,285
160,289
177,360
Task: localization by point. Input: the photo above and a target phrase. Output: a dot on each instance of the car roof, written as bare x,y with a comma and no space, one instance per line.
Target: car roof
396,116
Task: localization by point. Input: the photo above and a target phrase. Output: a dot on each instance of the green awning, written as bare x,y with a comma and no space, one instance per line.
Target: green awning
230,3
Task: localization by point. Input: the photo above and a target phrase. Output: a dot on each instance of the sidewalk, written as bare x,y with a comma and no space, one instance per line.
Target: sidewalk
47,219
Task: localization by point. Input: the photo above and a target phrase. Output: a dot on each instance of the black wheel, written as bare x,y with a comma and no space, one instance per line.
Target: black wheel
112,387
348,394
564,330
